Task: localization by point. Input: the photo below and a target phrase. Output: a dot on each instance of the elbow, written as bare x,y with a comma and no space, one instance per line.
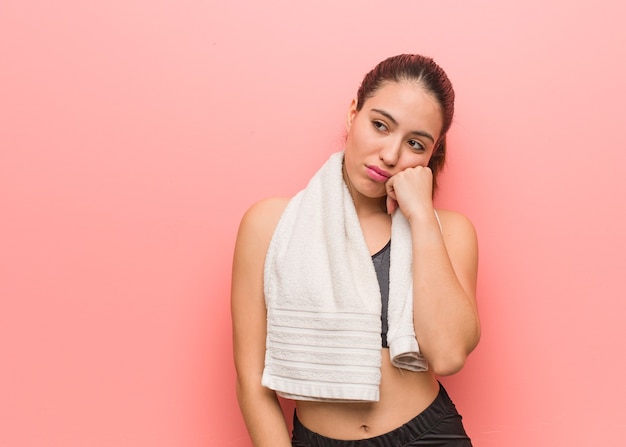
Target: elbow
249,389
451,361
240,391
246,390
449,364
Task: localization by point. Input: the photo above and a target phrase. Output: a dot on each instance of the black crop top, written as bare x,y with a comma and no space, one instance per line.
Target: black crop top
381,265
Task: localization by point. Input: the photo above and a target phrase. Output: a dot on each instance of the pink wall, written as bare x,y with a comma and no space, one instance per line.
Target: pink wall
134,133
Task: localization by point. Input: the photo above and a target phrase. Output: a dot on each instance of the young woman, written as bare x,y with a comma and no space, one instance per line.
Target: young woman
322,311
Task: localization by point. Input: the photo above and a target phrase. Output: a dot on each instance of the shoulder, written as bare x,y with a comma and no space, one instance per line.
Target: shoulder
457,229
264,215
259,222
455,221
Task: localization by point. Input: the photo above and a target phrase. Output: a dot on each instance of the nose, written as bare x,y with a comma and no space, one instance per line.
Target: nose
390,152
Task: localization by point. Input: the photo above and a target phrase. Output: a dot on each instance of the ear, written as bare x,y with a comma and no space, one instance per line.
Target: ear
352,111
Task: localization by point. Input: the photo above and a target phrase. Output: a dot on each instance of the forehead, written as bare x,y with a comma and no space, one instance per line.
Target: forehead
409,103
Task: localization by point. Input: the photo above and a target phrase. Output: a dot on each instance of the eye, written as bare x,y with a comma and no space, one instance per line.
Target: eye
416,145
380,126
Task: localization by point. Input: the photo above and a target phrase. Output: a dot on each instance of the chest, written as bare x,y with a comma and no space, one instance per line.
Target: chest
376,231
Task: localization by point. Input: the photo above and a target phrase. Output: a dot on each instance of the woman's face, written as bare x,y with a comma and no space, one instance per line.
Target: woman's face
396,129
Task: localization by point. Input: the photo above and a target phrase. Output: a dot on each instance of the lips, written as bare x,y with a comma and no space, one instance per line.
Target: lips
377,174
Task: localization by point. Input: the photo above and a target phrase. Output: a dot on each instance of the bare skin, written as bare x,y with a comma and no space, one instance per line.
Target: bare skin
444,276
364,420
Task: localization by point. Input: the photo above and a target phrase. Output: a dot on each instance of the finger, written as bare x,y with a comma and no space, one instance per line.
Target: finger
389,188
392,205
391,202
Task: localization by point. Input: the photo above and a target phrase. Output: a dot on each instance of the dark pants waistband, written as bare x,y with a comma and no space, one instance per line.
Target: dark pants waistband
438,425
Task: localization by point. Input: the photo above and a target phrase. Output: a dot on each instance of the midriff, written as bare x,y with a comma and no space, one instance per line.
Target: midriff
403,395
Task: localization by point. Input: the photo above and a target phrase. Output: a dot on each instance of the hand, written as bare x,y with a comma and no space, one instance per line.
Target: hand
410,190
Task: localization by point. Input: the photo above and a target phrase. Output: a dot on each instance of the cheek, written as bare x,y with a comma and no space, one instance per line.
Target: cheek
415,161
351,146
347,154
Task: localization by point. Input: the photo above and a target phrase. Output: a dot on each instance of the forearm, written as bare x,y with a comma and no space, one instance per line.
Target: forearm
445,316
263,416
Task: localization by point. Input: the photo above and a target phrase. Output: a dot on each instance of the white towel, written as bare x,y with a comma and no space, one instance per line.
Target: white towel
323,298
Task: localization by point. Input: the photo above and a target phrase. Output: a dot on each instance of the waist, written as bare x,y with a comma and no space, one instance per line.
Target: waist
403,394
402,434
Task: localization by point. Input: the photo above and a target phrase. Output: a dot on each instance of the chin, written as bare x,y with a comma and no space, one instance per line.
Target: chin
372,194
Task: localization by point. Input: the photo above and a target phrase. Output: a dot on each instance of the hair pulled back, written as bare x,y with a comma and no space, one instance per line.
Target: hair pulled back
424,71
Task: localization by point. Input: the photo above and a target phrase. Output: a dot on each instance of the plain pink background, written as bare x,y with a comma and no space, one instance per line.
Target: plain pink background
135,133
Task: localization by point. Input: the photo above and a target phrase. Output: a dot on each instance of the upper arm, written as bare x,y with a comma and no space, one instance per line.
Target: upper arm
462,246
247,299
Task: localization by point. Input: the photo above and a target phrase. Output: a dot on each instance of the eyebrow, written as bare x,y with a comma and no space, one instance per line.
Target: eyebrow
393,120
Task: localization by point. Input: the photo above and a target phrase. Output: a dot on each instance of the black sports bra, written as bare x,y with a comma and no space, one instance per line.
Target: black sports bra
381,265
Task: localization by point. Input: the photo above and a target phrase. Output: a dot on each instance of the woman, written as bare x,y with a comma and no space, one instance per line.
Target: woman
309,336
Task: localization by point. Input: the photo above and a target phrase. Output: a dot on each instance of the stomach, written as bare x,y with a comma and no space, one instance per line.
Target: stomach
403,395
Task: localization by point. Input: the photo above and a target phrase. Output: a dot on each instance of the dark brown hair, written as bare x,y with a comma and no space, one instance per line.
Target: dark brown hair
422,70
